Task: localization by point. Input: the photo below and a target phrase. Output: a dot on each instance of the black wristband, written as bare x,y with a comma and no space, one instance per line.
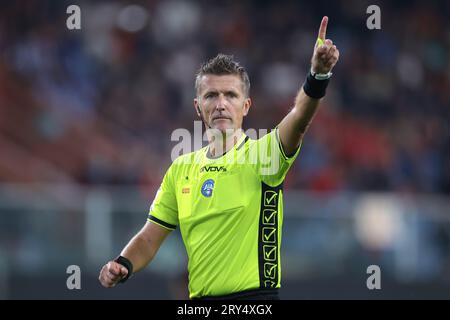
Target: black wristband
315,88
127,264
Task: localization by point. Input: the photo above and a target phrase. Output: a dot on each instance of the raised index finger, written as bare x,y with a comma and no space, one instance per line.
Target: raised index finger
323,28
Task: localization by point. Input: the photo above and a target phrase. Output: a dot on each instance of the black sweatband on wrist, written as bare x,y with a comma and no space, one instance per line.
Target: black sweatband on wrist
315,88
127,264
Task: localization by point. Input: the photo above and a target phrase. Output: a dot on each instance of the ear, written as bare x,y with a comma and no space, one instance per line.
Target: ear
247,105
197,107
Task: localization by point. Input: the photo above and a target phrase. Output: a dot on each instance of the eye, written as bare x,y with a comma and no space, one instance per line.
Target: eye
210,95
231,94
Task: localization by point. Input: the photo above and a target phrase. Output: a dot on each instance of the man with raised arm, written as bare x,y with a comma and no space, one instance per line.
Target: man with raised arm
227,197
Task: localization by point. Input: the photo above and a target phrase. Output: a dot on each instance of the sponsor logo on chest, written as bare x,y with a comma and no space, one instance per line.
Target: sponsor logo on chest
213,169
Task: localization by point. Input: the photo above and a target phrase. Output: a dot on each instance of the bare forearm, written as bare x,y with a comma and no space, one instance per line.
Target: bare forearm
296,123
139,251
144,245
303,112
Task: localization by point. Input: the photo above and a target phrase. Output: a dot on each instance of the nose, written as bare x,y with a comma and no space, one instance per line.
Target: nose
220,106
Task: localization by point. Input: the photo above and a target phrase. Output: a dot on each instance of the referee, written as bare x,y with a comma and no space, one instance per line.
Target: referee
227,197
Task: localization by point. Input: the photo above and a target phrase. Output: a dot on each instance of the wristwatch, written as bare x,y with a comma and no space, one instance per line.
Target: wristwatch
321,76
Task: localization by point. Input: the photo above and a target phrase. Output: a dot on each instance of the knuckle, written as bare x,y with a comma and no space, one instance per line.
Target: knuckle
112,276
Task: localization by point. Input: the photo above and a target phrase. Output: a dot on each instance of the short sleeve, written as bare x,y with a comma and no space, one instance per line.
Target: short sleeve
164,210
272,163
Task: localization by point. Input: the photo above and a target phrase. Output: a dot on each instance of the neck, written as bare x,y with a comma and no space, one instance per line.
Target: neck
221,143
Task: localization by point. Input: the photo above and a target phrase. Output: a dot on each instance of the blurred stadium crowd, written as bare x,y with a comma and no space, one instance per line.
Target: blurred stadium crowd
81,109
98,105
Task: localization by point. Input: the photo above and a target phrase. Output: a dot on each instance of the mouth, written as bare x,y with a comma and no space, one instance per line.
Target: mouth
220,118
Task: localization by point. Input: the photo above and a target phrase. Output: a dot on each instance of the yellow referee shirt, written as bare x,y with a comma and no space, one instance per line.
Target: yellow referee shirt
230,213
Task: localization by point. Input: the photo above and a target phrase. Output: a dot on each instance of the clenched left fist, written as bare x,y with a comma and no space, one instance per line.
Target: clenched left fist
325,54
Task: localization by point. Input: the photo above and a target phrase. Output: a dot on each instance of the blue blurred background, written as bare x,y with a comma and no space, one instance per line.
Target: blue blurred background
86,118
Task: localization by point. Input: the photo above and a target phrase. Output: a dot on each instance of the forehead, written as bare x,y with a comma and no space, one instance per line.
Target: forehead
212,82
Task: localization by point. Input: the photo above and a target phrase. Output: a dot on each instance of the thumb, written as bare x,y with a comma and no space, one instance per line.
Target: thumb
123,271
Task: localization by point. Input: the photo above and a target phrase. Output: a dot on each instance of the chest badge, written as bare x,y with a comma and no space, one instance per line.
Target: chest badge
207,188
186,190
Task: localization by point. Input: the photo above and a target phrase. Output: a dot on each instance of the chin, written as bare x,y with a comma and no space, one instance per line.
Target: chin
224,129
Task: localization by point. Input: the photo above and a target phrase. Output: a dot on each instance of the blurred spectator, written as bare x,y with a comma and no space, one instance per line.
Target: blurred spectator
98,105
